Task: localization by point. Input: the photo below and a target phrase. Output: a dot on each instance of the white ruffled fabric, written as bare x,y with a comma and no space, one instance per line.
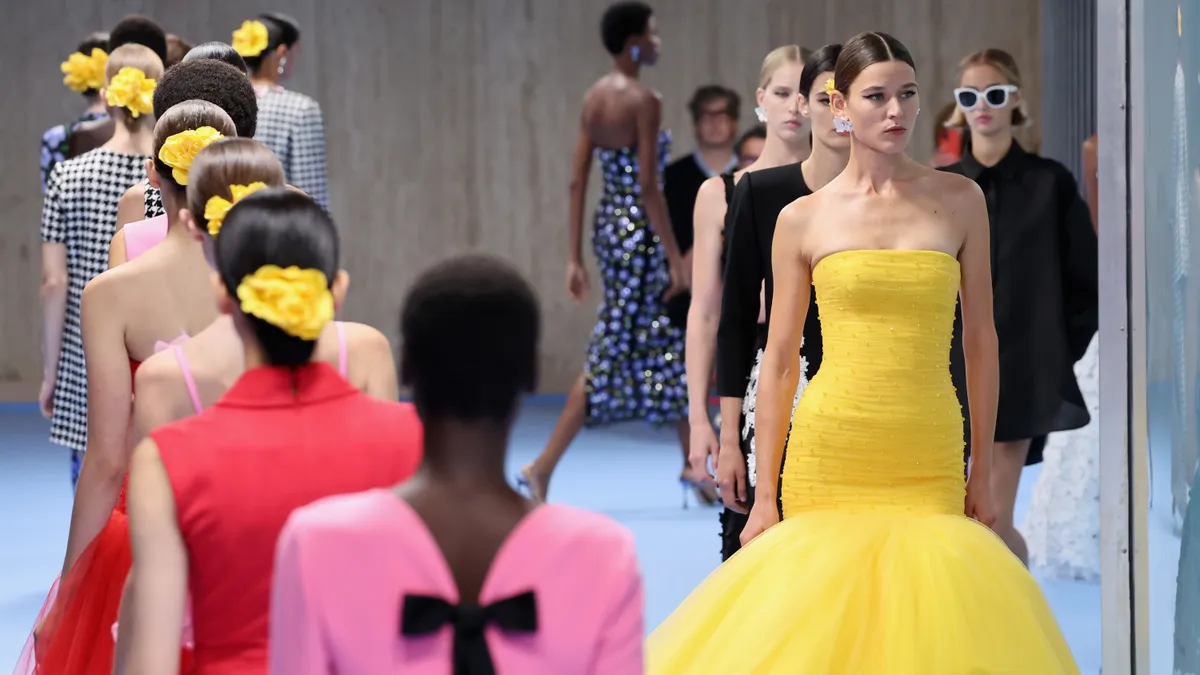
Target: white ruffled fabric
1062,526
748,407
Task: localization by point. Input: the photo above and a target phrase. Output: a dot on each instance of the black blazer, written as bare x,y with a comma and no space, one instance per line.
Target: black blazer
750,229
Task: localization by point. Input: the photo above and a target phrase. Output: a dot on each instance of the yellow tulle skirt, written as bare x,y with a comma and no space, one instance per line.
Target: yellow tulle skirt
826,593
874,570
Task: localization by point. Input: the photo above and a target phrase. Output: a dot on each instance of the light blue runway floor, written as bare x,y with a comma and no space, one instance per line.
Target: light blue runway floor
628,472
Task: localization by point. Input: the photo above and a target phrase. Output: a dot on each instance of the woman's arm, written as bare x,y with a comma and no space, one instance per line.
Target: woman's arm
372,350
297,645
1091,165
705,309
779,373
110,401
116,249
158,580
130,209
160,395
737,325
979,328
649,123
53,291
581,166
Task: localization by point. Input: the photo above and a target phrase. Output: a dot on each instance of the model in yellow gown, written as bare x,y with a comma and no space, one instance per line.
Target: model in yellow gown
875,569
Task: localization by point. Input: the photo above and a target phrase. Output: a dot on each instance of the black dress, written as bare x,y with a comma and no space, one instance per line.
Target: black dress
750,228
1045,292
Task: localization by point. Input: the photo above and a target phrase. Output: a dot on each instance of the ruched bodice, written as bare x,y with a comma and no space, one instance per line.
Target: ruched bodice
880,424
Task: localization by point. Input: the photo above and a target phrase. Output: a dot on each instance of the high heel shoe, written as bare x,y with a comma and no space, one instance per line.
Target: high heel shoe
705,494
526,482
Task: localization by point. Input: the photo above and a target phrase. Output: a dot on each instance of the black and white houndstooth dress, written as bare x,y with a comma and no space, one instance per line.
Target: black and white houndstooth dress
80,212
291,125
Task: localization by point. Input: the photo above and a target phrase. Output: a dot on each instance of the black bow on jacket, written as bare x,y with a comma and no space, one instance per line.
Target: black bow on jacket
424,615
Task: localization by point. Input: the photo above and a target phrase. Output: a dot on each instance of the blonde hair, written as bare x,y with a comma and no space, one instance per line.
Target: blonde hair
133,56
778,58
141,58
228,162
1007,65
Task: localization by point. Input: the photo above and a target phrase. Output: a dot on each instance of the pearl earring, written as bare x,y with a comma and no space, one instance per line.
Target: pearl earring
282,64
761,114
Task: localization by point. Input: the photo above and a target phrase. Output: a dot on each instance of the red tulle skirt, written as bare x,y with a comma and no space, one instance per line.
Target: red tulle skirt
78,620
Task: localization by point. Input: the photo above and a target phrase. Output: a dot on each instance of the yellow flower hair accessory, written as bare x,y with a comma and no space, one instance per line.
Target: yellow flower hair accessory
296,301
132,90
830,86
251,39
217,206
85,72
180,150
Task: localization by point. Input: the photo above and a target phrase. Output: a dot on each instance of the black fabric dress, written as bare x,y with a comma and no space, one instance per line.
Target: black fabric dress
1045,292
750,228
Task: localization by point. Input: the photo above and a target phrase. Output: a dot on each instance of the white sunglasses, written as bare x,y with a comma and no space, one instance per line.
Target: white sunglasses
969,98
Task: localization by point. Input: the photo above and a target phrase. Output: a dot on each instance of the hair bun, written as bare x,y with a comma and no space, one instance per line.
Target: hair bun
217,206
180,150
296,301
251,39
132,90
85,72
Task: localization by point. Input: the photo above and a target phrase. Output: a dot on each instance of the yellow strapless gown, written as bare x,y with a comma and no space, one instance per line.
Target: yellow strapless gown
874,569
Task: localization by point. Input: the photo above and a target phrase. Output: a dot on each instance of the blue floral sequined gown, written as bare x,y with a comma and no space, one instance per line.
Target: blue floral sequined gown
635,367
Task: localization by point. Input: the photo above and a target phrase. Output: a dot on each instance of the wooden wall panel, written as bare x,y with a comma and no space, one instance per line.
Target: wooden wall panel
450,122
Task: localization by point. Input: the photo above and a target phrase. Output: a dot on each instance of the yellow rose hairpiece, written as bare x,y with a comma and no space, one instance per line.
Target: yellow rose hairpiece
296,301
251,39
132,90
180,150
85,72
217,206
830,87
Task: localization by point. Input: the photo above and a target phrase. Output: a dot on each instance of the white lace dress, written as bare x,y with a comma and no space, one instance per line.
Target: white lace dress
748,408
1062,526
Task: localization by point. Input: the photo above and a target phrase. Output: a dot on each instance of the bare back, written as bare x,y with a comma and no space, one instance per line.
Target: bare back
213,360
162,295
610,110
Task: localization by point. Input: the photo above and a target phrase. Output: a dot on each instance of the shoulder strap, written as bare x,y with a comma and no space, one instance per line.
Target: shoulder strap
188,380
343,357
727,178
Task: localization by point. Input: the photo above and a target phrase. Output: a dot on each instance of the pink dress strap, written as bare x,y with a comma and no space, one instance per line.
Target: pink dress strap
343,357
188,380
143,235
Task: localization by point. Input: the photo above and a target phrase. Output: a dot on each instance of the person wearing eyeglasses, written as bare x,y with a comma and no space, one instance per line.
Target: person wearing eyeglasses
1044,275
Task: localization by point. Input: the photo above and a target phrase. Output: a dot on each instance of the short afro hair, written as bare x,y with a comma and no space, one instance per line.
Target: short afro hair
218,51
141,30
216,82
470,329
622,21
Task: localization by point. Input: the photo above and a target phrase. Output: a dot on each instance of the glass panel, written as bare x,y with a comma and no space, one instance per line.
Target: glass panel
1172,119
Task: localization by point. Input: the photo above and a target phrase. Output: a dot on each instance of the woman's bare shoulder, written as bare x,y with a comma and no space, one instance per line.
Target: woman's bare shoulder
711,197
